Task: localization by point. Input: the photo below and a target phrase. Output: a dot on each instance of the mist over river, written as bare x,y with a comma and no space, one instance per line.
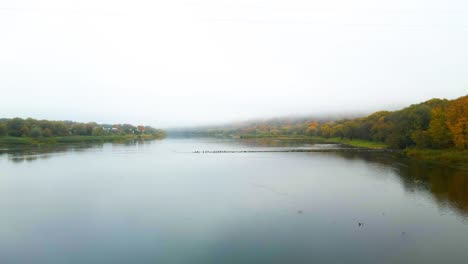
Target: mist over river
159,202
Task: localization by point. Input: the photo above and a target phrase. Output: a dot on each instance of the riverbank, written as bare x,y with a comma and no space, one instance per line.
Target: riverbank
353,143
29,141
448,157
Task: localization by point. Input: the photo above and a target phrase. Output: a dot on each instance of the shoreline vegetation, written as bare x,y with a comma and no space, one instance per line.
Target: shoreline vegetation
29,141
435,130
451,157
359,143
32,132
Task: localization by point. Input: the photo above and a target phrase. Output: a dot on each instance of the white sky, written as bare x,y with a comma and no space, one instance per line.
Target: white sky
178,63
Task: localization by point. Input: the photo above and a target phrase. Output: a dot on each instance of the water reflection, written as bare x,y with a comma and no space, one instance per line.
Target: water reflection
29,154
33,153
448,186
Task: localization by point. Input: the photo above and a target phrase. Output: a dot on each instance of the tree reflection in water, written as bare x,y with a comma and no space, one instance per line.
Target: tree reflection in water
33,153
448,186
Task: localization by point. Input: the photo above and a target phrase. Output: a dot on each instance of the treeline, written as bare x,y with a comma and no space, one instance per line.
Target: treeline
437,123
18,127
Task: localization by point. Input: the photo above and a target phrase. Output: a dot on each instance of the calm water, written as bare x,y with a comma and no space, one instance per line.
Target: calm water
159,203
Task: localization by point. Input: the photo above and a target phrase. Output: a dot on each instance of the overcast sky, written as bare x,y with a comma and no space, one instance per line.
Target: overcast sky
178,63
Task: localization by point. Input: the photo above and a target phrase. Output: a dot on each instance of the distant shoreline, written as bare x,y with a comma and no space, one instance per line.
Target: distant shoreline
32,132
10,141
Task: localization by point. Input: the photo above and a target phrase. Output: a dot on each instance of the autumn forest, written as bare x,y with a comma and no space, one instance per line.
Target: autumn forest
434,124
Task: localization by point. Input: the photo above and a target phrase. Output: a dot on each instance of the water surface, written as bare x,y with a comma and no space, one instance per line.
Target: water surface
157,202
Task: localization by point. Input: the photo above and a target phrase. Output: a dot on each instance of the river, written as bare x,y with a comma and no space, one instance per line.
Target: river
159,202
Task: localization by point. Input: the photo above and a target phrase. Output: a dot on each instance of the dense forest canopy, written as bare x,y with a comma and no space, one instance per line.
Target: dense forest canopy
18,127
437,123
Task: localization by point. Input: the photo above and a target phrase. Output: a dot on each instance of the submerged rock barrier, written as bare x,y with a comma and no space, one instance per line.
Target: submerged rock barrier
297,150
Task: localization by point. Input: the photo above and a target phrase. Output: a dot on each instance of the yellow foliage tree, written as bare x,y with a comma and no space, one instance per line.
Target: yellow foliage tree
440,134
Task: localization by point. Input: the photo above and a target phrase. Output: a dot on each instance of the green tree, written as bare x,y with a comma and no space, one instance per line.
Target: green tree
439,133
36,132
350,129
380,129
421,138
3,129
337,131
14,127
79,130
405,122
98,131
24,130
59,129
47,132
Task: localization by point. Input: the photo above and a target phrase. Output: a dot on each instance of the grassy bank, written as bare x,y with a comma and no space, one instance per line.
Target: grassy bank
358,143
450,157
354,143
25,141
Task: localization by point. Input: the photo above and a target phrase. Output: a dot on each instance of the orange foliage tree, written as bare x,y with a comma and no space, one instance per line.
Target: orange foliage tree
457,121
312,128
